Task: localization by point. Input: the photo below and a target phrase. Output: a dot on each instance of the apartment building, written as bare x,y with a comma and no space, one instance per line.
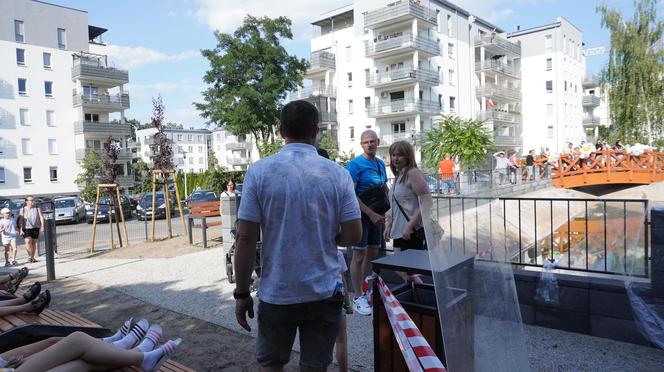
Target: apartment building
58,98
552,75
233,152
190,147
595,108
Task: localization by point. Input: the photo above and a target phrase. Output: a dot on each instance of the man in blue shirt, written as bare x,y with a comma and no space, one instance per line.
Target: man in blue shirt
306,206
367,171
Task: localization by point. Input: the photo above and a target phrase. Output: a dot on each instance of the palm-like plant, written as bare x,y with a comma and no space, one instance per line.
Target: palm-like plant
468,139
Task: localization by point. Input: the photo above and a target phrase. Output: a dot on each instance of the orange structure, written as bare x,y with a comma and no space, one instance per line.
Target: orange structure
608,167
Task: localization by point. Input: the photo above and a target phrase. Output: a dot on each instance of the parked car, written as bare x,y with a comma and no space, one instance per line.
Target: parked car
105,209
200,196
69,209
144,207
15,206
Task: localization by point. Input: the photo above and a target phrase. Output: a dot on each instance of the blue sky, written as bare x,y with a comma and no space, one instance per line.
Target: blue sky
160,41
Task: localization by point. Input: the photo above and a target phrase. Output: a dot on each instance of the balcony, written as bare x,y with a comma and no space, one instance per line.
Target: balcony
590,101
103,102
237,146
591,81
310,92
95,69
401,11
493,66
401,107
237,161
123,154
386,140
498,92
321,61
125,181
112,129
404,43
501,116
405,76
590,122
498,46
327,117
508,135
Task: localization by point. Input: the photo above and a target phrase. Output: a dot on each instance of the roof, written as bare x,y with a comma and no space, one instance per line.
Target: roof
60,6
457,9
94,31
534,29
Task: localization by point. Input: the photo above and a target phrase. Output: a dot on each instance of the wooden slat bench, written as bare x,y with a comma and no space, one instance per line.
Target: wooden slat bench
202,211
169,366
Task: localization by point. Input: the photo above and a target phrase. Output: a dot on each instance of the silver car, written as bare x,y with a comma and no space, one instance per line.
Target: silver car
69,209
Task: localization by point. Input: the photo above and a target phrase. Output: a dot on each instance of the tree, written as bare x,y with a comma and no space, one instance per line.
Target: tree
267,148
142,175
163,158
213,162
173,126
330,145
250,74
468,139
109,171
345,158
89,175
634,76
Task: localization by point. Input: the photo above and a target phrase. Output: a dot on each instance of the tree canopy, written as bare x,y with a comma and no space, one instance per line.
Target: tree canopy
250,74
163,157
468,139
634,76
89,175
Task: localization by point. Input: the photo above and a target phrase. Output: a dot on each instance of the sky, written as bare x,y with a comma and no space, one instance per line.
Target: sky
159,41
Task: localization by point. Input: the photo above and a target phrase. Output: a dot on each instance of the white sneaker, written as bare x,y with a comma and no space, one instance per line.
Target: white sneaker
361,306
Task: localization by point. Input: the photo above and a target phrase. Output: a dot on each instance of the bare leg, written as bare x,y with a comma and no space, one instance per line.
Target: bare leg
14,250
371,254
356,270
79,345
28,247
79,366
13,302
30,349
341,351
5,279
15,309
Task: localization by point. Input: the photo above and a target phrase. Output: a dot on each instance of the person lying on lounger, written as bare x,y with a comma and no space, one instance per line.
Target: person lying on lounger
11,282
32,301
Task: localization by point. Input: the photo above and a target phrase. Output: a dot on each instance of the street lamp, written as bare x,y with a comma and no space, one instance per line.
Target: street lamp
184,157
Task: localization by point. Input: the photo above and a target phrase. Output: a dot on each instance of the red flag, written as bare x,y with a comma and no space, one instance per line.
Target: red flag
490,105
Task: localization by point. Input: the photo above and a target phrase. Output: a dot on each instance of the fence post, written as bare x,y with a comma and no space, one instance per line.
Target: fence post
657,243
49,241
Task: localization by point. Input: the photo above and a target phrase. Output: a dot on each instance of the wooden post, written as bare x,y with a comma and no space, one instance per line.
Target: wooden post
94,222
124,225
154,198
608,166
167,200
177,198
110,221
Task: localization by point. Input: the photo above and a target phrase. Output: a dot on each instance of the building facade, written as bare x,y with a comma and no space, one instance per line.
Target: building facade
58,98
595,108
233,152
190,147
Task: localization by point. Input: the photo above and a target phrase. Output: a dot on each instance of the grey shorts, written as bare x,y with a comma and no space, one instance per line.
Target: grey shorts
318,323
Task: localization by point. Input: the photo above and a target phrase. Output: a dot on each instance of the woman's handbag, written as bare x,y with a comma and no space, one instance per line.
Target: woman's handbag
417,235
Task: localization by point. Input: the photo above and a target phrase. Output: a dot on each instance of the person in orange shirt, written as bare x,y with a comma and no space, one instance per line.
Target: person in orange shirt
446,171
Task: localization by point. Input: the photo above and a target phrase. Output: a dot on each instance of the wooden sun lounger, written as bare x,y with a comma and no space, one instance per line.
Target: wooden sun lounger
169,366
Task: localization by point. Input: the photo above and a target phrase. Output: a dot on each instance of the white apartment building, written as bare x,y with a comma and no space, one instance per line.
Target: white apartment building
56,98
595,108
552,74
233,152
190,147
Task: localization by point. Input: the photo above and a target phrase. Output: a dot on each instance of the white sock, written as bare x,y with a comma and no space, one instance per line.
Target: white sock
151,339
120,333
152,358
134,336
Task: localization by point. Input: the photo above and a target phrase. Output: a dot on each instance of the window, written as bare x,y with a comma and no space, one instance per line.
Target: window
26,146
179,137
549,86
90,91
549,109
190,149
399,127
449,25
450,50
190,137
565,49
24,116
349,76
548,43
52,147
19,32
53,172
47,60
349,53
200,138
93,144
27,174
48,88
20,57
92,118
367,103
191,160
22,87
352,133
452,104
200,149
350,106
440,75
2,175
62,38
180,149
200,160
549,64
367,76
450,74
440,102
550,131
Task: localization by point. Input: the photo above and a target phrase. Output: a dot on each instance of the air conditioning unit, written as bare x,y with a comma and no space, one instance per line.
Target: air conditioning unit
384,95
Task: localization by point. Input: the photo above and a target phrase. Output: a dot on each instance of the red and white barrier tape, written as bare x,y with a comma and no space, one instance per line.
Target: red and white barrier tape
415,349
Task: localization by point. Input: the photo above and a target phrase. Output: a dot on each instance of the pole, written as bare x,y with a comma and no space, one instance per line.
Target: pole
49,242
167,202
185,182
154,196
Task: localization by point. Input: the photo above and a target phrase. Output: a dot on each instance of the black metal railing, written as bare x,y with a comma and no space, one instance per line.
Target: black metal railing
608,236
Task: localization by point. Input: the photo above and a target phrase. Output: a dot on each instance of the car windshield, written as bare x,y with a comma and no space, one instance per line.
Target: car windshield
147,200
64,203
201,197
16,204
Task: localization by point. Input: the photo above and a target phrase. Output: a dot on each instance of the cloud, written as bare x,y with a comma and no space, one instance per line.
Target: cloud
132,58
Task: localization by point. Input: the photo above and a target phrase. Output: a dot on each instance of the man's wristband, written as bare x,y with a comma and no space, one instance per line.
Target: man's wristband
240,295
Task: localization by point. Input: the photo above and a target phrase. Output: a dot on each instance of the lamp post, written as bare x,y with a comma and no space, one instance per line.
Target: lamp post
184,157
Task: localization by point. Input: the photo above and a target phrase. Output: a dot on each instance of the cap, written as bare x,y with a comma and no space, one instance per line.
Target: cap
5,210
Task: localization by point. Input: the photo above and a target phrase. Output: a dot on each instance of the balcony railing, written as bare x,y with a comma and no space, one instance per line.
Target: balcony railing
495,115
495,66
327,117
492,90
406,40
81,127
402,106
590,101
591,81
126,181
237,161
321,61
499,44
386,140
398,12
404,75
308,92
123,154
590,121
237,146
103,101
94,69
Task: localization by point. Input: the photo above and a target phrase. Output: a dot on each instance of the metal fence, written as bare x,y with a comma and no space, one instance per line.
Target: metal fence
609,236
475,181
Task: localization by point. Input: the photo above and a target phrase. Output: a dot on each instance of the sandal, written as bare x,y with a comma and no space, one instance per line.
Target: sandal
32,292
16,279
41,302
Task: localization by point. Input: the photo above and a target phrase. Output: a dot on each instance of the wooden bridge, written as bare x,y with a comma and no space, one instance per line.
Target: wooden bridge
608,167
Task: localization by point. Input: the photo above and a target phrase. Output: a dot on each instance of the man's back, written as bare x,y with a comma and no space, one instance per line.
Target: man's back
446,169
300,199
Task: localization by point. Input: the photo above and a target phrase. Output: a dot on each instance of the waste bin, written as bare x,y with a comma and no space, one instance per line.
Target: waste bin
419,301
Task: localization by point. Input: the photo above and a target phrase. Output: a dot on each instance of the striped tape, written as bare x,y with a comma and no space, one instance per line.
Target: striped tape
417,353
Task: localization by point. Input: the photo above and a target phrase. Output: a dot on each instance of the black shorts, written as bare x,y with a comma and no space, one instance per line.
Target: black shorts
404,244
31,233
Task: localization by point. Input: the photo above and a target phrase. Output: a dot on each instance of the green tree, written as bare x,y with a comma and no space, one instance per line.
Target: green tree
634,76
89,176
143,176
329,144
163,157
250,74
468,139
267,148
213,162
345,157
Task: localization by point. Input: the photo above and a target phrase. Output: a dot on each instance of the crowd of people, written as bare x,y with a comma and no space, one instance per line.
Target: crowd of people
28,224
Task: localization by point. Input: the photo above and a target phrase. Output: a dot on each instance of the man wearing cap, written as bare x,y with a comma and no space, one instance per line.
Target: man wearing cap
9,233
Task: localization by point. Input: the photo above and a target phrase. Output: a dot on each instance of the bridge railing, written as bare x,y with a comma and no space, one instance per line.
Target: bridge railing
612,166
